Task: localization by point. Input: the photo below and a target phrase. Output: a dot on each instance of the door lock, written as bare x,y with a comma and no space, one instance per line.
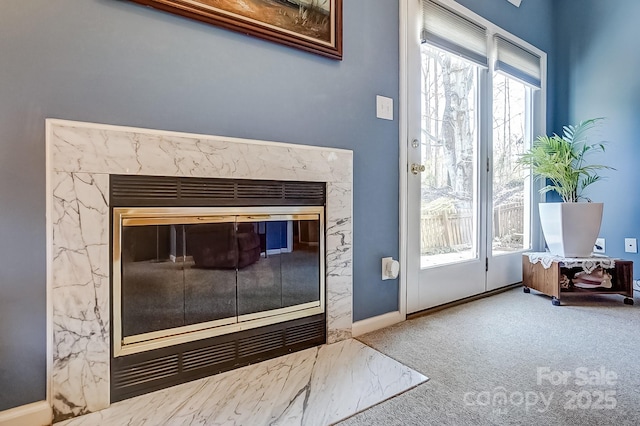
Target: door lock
417,168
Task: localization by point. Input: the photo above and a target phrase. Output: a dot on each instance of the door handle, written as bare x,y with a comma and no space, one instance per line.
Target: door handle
417,168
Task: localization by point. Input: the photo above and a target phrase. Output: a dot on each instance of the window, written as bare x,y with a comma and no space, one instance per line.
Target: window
511,136
449,151
481,103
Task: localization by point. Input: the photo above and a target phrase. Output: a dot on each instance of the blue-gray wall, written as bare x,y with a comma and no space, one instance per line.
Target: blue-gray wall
116,62
598,77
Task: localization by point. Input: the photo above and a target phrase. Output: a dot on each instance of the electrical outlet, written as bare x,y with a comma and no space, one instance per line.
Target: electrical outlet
390,268
599,247
630,245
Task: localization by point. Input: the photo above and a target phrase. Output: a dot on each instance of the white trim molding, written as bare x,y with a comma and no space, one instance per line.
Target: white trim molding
36,414
376,323
403,137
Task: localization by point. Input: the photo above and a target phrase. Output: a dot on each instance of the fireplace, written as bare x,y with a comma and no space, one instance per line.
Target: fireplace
81,157
211,274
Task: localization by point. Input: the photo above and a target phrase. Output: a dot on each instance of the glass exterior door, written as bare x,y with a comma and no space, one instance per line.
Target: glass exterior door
445,191
475,98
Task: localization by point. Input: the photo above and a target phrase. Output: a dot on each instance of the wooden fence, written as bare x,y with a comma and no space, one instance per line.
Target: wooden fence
449,230
508,220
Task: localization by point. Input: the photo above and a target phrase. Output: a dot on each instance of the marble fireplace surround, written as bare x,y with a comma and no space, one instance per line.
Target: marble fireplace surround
80,157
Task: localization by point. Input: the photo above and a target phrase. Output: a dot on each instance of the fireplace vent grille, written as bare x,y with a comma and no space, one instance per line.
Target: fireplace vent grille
152,191
199,358
144,372
147,371
206,188
154,187
302,333
261,343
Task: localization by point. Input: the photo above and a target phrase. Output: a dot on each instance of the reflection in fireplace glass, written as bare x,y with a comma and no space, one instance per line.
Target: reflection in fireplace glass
288,272
183,274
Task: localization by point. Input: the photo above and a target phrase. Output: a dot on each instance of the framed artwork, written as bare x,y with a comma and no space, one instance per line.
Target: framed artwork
311,25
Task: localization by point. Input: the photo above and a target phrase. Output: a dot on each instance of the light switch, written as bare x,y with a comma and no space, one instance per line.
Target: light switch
384,107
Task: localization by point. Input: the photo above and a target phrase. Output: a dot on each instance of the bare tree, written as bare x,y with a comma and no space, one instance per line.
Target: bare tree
448,124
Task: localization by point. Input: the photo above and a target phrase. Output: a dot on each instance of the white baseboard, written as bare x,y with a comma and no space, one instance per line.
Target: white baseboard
375,323
34,414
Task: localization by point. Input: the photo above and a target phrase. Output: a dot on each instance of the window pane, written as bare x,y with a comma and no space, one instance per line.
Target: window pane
511,118
449,151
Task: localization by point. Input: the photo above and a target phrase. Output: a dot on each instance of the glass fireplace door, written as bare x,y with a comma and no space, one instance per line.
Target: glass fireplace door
176,275
181,274
209,273
284,274
153,294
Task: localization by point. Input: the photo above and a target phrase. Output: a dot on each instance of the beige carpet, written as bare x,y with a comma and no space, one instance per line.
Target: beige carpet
519,346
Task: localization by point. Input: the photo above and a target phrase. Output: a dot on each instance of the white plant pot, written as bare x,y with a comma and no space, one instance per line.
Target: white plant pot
571,229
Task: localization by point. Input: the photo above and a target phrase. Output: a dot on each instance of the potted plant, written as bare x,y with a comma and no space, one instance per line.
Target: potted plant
570,228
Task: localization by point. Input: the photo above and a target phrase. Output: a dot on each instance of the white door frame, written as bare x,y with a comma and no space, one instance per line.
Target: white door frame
403,124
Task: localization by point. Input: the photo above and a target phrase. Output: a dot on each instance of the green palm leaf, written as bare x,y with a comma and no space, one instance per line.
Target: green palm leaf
560,160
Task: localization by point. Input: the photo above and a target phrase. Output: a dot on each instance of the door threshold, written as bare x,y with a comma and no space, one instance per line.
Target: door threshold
438,308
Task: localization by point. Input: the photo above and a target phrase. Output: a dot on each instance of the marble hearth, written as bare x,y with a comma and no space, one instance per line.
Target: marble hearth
315,387
80,157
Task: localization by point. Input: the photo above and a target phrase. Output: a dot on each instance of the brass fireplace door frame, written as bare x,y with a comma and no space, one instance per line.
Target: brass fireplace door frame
191,215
